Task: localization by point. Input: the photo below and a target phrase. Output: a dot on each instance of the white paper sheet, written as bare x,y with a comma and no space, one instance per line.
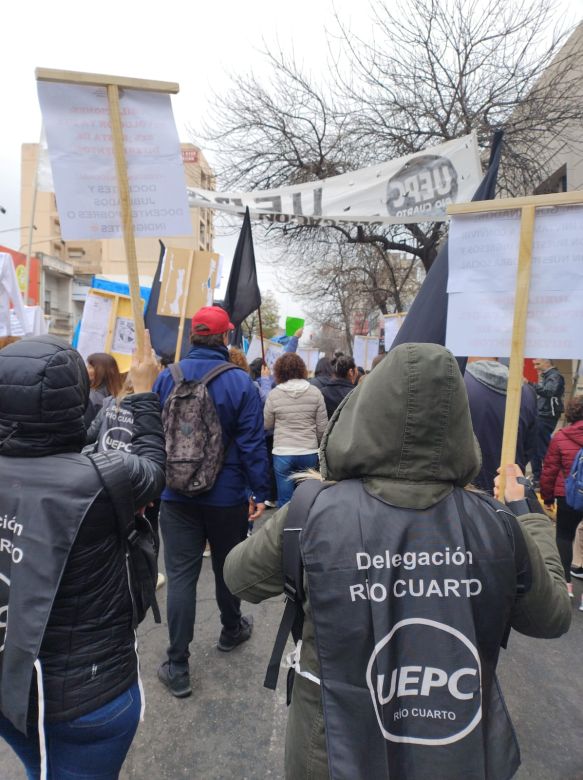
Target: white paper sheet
272,351
124,336
364,351
94,324
310,356
78,131
391,328
483,258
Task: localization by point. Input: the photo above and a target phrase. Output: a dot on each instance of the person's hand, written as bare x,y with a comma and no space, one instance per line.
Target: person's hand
513,490
144,368
255,510
265,372
299,333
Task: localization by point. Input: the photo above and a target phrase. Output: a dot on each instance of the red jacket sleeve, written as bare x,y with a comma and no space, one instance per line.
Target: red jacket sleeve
551,470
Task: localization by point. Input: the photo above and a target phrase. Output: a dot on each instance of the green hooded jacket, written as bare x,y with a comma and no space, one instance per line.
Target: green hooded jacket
406,432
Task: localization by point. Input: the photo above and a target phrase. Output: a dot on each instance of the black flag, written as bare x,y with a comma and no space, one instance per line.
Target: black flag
243,296
427,318
164,330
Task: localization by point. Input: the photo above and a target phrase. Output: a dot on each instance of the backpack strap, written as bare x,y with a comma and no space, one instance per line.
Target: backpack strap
217,371
115,479
176,373
293,573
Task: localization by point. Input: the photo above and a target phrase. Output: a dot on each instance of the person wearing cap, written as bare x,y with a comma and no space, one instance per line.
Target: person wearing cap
219,515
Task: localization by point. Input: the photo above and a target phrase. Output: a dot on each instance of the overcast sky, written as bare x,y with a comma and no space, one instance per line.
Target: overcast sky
195,44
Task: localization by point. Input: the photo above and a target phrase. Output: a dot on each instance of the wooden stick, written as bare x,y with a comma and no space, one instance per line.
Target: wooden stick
514,390
100,80
126,213
513,204
261,336
184,306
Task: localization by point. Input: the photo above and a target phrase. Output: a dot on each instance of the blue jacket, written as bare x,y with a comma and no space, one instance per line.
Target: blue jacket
239,408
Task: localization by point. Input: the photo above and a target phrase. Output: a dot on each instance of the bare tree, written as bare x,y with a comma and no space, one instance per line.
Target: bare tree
434,70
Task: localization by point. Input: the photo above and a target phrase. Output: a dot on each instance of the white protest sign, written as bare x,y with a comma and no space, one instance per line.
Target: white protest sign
391,327
364,351
483,257
79,136
310,356
94,324
272,351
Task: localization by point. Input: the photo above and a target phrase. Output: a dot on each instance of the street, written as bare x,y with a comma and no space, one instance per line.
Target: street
232,728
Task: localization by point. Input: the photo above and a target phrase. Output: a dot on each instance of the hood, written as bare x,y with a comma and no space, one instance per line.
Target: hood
575,432
490,373
44,391
295,387
406,430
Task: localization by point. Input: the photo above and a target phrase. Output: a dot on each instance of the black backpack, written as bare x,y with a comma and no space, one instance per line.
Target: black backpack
135,533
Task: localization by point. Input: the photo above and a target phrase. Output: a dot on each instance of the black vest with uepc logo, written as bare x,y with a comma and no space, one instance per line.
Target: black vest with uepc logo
410,608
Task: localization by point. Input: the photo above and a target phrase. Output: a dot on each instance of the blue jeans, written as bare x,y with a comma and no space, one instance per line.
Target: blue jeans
286,465
91,746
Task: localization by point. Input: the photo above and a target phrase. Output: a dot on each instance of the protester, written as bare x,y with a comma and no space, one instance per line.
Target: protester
220,514
550,390
486,381
412,583
340,384
105,380
68,591
237,356
323,373
297,412
561,453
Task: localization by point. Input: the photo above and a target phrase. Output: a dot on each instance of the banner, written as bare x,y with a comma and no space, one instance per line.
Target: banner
416,188
79,135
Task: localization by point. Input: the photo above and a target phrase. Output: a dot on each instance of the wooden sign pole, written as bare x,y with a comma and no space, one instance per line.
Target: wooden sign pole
113,84
514,389
184,306
527,205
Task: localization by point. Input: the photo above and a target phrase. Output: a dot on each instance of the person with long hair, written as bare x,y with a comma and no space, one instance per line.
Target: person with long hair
561,453
104,380
297,413
341,383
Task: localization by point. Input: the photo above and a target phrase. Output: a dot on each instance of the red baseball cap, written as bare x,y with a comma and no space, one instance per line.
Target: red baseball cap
211,320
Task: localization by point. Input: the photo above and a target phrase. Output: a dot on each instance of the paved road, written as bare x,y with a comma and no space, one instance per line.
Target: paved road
233,729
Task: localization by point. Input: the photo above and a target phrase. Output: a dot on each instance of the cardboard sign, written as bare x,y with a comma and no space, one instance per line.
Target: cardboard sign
271,348
392,325
107,326
174,284
310,356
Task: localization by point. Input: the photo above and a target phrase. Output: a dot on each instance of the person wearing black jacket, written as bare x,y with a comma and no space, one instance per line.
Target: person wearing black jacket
69,690
550,390
336,388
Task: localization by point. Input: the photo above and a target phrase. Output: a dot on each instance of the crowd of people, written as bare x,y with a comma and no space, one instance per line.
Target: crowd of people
380,471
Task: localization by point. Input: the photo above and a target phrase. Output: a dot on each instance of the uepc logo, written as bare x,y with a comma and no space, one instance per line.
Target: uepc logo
425,681
427,183
117,439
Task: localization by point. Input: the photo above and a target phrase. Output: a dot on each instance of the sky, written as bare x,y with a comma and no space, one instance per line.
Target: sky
196,44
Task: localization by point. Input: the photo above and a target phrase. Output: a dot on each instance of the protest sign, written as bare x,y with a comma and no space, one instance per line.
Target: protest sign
293,324
415,188
482,271
187,284
108,140
391,327
107,326
310,356
271,349
364,351
535,247
80,144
